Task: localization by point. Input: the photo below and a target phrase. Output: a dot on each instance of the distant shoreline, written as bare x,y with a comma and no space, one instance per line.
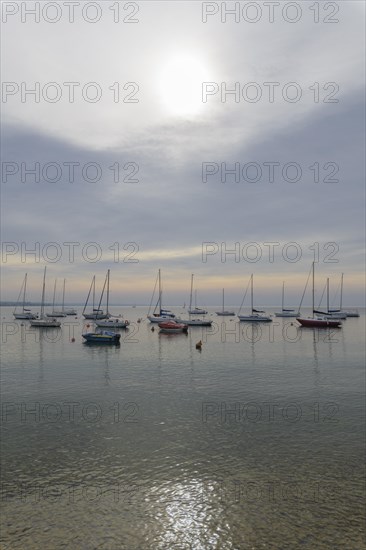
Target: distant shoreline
218,306
49,304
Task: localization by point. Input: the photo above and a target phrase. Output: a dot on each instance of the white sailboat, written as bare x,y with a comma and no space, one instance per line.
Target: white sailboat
55,313
255,315
194,322
352,313
196,310
284,311
159,314
110,322
24,313
224,312
329,313
348,313
96,313
43,321
65,311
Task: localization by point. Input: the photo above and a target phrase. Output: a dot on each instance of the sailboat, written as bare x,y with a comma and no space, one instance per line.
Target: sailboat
332,314
24,313
223,311
111,322
96,313
55,313
352,313
284,311
43,321
66,311
193,322
196,310
317,322
159,314
349,313
255,315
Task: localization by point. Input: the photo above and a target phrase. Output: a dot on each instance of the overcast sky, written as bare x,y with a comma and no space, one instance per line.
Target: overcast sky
171,137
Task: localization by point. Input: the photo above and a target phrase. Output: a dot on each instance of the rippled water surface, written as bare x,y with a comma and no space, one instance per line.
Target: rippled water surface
255,441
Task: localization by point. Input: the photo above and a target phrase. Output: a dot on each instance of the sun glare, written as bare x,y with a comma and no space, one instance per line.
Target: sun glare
180,84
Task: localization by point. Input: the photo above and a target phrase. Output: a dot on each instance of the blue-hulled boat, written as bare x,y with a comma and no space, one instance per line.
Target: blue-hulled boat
102,337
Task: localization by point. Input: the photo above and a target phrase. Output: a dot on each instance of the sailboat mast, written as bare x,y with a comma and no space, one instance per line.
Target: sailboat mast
340,304
63,297
101,296
93,283
327,294
54,296
283,295
223,300
43,292
25,286
108,274
190,297
159,301
87,299
251,292
313,293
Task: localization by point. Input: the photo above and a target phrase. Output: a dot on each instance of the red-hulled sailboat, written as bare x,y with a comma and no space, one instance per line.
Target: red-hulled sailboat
318,322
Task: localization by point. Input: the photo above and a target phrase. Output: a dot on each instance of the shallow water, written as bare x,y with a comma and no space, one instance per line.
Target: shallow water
256,441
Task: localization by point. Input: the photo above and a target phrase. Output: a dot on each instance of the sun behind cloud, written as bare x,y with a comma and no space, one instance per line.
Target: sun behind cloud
180,84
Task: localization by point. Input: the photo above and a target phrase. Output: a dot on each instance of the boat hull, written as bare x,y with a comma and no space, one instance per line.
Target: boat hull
23,316
45,323
94,316
332,315
340,316
171,327
101,338
287,314
319,323
254,319
160,318
56,314
112,323
197,311
225,313
195,322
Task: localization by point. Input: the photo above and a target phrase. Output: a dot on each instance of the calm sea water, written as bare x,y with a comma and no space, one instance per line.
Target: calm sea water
255,441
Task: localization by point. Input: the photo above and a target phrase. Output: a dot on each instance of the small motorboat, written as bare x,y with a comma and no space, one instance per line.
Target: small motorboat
102,337
172,327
